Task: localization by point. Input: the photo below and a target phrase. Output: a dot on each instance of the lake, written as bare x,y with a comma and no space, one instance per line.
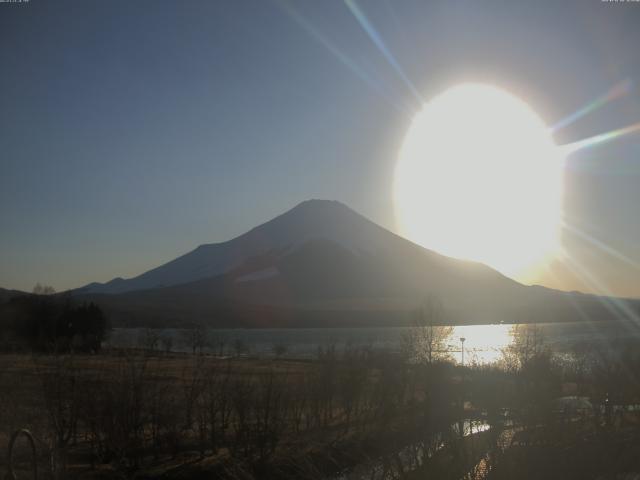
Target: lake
483,343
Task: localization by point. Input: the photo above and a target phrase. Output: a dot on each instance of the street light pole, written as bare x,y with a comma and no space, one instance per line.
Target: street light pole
461,424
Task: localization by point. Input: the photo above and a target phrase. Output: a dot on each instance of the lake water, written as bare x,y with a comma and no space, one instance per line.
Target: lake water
483,343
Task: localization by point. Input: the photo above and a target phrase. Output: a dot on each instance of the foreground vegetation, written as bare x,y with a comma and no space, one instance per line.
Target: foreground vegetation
44,322
350,412
144,414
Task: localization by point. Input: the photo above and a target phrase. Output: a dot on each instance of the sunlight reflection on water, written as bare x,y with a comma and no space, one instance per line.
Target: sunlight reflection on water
483,343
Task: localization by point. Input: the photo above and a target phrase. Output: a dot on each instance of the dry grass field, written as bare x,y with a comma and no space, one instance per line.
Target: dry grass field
142,414
130,413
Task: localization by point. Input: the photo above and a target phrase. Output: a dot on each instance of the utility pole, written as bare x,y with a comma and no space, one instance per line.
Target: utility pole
461,423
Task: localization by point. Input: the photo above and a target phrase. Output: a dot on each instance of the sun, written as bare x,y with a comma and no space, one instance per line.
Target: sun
479,177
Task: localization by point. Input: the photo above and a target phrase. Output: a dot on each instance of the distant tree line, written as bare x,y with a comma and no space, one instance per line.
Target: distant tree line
45,322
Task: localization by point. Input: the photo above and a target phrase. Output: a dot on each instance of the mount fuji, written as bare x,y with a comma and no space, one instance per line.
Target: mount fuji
319,264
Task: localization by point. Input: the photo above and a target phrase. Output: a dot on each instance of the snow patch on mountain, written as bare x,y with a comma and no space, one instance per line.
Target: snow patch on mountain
308,221
263,274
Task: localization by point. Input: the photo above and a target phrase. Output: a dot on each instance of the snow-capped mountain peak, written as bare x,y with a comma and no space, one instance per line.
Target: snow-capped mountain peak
310,220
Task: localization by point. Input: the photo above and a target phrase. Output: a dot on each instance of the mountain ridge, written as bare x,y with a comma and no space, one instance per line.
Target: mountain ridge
308,220
323,264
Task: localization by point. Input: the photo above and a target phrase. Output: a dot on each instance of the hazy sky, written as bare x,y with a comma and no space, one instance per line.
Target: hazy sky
133,131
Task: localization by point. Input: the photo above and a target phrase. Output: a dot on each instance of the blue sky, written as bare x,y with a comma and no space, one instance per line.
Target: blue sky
131,132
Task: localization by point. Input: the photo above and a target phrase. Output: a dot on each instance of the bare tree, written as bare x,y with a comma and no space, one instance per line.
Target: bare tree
43,289
240,347
352,381
217,405
528,344
426,340
279,349
61,400
269,415
149,339
167,342
196,338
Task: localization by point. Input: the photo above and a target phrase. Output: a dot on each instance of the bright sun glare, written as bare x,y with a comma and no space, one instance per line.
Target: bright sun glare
480,177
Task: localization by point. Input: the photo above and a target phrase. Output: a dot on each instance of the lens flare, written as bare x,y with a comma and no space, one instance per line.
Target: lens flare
600,139
600,245
377,40
616,306
371,80
617,91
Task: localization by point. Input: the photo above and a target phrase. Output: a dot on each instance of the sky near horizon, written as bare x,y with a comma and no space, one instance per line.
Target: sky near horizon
133,132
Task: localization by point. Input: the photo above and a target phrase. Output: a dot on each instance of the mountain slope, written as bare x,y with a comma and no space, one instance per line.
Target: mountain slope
319,258
6,295
322,264
311,220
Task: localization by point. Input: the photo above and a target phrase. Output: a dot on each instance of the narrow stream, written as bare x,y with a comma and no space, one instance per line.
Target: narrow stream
409,458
